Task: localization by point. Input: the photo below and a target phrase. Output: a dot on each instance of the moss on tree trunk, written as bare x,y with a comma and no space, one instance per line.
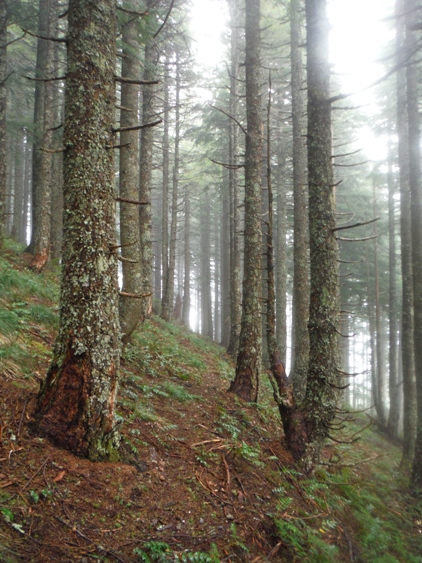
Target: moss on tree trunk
76,402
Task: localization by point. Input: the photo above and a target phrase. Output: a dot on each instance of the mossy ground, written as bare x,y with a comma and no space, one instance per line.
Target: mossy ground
203,477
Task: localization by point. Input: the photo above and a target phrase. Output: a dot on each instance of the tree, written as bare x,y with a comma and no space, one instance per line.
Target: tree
3,71
415,182
248,364
407,337
300,337
76,401
234,311
146,166
130,307
307,424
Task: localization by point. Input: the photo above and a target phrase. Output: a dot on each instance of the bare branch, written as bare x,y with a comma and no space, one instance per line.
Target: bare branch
131,81
165,19
230,116
56,39
357,239
137,127
133,201
52,151
358,224
228,166
46,79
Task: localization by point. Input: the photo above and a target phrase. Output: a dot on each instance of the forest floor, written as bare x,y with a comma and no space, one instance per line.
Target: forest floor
203,478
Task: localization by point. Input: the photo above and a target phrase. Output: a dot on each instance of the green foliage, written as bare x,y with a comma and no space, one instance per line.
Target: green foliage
161,552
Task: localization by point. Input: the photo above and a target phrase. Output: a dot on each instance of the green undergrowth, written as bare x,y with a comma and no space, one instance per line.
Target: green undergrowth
356,507
28,313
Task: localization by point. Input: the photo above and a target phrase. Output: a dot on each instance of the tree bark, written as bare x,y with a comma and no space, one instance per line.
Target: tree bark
407,337
394,412
77,400
187,262
43,122
145,174
235,296
300,307
248,365
130,309
415,180
205,242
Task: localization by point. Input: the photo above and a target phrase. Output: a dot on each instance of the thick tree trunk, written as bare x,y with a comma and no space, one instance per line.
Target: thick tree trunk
225,253
321,391
145,174
415,180
281,256
407,338
166,182
169,289
306,426
77,400
235,297
130,308
248,365
300,341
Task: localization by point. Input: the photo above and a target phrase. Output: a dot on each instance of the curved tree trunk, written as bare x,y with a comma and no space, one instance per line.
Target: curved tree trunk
307,425
77,400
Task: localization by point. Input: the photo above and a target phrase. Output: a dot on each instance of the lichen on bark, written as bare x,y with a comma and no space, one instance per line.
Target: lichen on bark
77,400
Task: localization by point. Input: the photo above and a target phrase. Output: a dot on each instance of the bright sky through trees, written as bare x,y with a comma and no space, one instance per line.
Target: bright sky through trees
359,35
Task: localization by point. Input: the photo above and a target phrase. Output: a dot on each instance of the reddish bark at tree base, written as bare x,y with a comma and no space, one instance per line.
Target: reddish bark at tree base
59,416
39,261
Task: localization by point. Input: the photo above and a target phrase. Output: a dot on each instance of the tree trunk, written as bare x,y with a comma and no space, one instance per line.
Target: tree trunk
205,242
187,262
248,365
393,416
300,340
415,180
145,174
130,309
77,400
43,124
3,142
281,257
225,253
306,426
166,181
19,179
407,337
379,366
235,297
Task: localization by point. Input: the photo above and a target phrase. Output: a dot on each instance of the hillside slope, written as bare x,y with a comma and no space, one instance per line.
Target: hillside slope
203,477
